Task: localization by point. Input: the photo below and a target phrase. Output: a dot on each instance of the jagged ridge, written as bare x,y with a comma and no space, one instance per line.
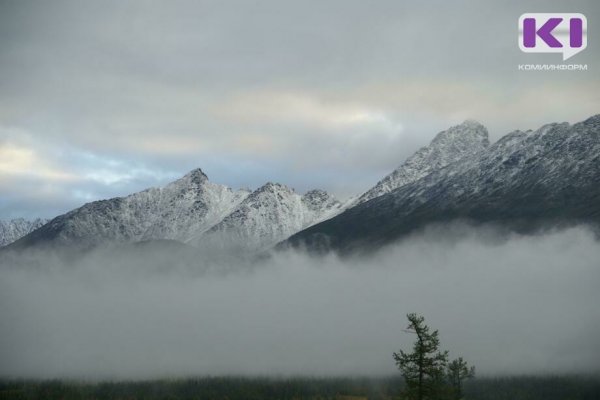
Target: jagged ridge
271,213
524,181
465,140
192,210
184,207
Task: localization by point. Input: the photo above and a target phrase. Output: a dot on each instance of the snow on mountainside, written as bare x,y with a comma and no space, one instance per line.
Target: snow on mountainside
191,210
185,207
461,141
525,181
14,229
270,214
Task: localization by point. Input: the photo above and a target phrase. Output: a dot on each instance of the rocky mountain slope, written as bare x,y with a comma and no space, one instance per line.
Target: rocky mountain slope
525,181
270,214
468,139
191,210
184,207
14,229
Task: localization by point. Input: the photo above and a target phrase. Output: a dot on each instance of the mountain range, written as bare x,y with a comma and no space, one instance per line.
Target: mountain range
191,210
524,181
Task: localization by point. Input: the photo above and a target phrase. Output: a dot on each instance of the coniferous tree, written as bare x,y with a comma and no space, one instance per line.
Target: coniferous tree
458,371
424,368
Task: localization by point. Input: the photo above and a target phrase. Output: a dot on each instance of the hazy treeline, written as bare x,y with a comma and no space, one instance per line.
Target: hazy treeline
231,388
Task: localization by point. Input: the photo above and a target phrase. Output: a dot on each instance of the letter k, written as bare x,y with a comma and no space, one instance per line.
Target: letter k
545,32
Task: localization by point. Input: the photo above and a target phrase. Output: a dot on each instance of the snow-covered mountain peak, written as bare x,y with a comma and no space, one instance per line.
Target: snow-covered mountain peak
318,199
194,210
271,187
462,136
465,140
270,192
183,209
526,182
194,178
268,215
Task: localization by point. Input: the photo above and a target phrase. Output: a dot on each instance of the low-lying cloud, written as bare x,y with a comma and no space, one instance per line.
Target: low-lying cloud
508,305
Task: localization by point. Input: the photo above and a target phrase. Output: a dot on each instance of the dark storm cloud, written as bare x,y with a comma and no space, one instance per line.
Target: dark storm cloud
290,88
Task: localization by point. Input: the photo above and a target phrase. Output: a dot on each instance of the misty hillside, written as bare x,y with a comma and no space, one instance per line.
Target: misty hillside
525,181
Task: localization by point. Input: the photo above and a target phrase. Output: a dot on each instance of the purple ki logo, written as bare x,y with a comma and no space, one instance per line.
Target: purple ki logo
564,33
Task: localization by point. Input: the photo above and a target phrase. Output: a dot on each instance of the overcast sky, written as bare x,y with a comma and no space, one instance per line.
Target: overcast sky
99,99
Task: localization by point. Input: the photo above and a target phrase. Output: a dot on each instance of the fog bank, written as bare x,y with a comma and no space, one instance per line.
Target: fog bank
509,306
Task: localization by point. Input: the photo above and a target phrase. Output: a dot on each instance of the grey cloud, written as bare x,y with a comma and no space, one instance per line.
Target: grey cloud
508,304
141,82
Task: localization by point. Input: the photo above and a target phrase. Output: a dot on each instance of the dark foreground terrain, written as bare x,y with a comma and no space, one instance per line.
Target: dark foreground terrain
509,388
